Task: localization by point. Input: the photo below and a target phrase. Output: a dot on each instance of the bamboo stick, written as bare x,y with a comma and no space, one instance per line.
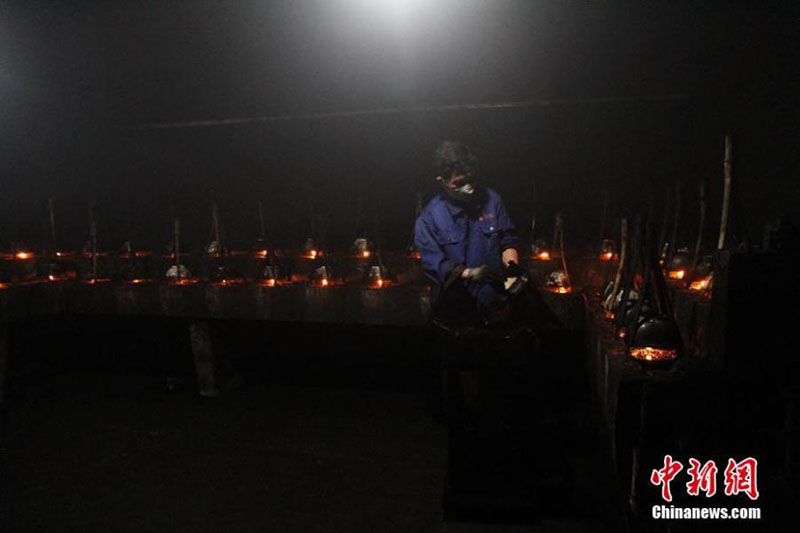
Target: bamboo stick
726,192
698,244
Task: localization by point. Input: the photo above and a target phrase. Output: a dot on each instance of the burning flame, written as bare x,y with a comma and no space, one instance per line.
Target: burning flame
365,254
312,254
324,282
269,282
261,254
24,255
700,284
542,256
607,256
676,274
648,353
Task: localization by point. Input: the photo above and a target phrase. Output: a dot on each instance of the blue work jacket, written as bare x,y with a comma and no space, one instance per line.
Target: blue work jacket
451,237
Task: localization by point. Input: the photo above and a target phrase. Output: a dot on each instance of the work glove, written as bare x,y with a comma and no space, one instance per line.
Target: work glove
485,274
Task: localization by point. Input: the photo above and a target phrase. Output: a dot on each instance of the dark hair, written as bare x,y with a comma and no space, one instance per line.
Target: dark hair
453,156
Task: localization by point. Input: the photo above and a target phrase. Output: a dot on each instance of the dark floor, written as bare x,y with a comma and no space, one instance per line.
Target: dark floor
334,430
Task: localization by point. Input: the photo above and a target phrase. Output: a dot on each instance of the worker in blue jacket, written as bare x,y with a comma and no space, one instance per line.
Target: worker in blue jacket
466,240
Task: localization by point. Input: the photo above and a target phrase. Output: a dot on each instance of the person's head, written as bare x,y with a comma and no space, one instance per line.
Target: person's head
456,169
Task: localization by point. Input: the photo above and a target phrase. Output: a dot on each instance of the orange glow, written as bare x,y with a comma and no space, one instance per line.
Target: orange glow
542,256
365,254
3,285
312,254
700,284
24,255
137,281
607,256
621,334
142,253
676,274
228,281
608,314
380,283
560,290
95,281
324,282
183,281
62,254
261,254
648,353
269,282
415,254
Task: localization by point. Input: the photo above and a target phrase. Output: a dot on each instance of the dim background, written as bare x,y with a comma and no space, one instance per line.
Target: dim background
640,95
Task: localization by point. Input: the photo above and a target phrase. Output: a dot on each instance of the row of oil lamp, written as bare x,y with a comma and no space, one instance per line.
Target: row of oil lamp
362,265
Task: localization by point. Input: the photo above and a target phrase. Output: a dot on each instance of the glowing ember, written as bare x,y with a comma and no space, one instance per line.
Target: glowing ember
700,284
324,282
95,281
365,254
379,283
183,281
621,334
137,281
142,253
24,255
62,254
51,277
607,256
269,282
312,254
648,353
560,290
676,274
261,254
415,254
542,256
3,285
228,281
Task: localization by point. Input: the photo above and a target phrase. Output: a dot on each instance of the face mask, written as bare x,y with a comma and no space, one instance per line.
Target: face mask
461,194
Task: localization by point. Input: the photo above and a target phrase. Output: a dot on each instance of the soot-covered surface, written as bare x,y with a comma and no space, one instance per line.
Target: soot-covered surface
335,429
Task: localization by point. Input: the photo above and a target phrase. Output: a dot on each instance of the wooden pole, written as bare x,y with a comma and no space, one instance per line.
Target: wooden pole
215,218
726,191
52,210
698,244
673,240
176,246
664,222
93,238
622,257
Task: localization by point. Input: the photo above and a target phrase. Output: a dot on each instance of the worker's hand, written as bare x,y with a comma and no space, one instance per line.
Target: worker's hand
485,274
